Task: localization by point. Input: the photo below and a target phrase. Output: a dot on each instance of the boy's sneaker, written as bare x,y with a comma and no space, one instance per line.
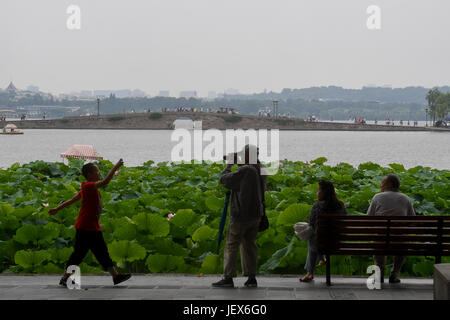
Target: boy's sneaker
251,283
121,278
224,283
63,282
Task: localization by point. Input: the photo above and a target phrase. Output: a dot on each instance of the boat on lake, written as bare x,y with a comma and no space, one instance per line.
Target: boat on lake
11,129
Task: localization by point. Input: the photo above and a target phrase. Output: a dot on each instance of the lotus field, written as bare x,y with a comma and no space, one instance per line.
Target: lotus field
164,218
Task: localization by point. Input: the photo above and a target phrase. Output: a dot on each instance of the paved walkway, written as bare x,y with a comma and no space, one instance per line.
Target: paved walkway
188,287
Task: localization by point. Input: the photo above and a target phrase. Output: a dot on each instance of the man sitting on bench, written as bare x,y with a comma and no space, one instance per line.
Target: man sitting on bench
390,202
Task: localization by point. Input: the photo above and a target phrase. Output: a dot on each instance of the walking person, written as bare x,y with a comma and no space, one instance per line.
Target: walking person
247,187
390,202
327,203
88,234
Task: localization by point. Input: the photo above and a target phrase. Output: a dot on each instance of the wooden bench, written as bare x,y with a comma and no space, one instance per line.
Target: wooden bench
390,236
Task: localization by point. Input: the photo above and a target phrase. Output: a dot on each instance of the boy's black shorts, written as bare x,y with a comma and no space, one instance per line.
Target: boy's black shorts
90,240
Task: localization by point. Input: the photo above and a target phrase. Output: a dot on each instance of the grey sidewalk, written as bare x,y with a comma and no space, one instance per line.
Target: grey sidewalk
181,287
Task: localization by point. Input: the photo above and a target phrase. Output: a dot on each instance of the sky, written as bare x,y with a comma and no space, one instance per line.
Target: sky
213,45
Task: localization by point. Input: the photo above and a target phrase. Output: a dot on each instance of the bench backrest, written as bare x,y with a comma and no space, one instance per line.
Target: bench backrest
393,235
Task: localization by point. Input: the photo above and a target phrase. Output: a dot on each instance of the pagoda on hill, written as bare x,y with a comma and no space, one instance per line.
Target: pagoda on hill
11,88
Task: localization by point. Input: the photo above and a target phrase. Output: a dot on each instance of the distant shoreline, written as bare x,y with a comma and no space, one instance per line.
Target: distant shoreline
165,120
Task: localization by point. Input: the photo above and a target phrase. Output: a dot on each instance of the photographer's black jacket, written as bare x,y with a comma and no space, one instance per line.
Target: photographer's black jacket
246,196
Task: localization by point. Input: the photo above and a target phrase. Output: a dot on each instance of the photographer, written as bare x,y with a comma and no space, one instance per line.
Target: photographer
247,187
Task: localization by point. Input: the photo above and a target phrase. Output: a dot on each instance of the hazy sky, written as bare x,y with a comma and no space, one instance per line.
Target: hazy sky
207,45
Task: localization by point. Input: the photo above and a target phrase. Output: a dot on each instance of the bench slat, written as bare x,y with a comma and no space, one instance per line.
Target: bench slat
393,230
363,217
393,223
396,246
370,252
394,237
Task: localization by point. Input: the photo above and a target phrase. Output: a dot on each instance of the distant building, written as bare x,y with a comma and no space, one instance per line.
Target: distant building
86,93
104,93
212,95
11,88
137,93
33,88
164,93
124,93
188,94
232,92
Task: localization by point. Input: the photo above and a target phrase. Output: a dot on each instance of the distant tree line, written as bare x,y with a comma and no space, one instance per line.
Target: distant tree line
342,104
379,94
438,105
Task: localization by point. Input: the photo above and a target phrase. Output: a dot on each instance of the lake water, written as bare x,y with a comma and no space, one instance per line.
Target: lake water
137,146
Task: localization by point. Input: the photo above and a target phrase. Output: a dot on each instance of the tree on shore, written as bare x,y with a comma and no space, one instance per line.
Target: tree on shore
432,96
442,106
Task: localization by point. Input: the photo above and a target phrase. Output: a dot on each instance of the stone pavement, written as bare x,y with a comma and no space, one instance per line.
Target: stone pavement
191,287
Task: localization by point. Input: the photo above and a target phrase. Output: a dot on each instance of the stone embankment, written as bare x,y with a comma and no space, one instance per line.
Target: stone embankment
165,120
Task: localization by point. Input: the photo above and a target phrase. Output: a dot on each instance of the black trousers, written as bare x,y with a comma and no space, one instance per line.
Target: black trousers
90,240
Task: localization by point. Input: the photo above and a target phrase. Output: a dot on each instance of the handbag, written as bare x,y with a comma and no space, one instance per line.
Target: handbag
264,223
303,231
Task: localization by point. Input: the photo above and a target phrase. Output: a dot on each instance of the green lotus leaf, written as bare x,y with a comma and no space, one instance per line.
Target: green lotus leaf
89,269
5,209
210,264
60,255
124,229
167,246
152,224
298,212
184,218
164,263
37,234
319,161
31,259
205,233
274,261
214,204
50,268
397,167
126,251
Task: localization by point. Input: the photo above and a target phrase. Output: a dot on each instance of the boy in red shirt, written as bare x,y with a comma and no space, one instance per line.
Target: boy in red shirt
88,231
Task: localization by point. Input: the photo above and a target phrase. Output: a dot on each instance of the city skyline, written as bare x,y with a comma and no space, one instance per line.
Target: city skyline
211,94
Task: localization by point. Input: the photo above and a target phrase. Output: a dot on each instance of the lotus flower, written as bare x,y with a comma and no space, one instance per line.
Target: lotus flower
117,172
280,164
170,216
45,204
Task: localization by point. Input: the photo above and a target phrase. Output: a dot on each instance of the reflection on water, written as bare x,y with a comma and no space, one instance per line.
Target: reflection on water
137,146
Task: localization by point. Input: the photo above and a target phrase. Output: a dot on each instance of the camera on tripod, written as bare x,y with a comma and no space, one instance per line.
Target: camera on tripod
233,155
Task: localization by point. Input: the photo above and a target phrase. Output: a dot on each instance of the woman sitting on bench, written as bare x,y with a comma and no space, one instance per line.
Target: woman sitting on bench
327,204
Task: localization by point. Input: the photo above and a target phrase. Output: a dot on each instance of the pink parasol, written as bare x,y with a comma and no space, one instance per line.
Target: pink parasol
10,126
81,152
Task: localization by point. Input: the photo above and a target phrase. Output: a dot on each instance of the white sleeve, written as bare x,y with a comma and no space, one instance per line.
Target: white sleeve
372,208
411,209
